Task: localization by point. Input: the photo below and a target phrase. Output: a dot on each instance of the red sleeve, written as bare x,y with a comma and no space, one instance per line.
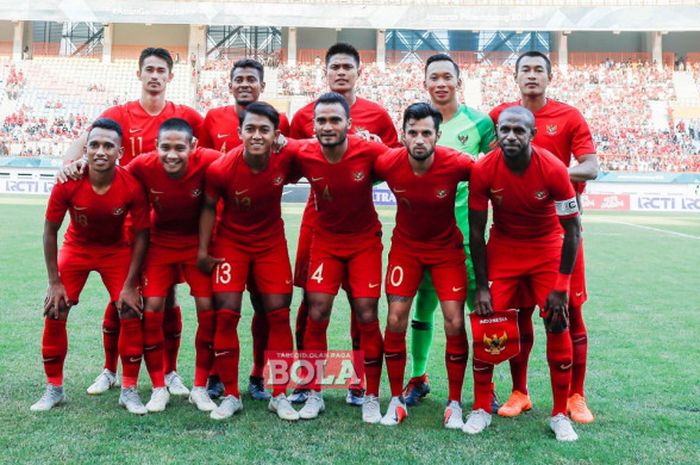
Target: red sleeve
196,121
388,135
58,204
292,150
581,140
296,129
493,114
115,113
136,168
212,181
139,208
478,188
204,138
284,125
465,165
561,191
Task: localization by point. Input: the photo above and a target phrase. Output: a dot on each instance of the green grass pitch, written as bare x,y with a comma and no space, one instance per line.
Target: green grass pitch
643,382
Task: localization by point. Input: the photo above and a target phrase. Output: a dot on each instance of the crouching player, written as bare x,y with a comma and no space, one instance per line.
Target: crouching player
532,201
250,241
173,177
98,204
424,179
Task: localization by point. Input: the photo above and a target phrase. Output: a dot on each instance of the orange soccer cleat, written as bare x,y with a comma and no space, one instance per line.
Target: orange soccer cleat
578,410
516,404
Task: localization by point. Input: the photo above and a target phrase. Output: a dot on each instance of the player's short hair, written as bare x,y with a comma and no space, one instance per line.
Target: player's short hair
249,63
107,124
261,109
161,53
342,48
534,54
417,111
519,110
440,57
179,125
329,98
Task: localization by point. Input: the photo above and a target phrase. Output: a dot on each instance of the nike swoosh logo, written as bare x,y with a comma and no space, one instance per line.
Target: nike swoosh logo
493,191
372,286
51,359
135,359
457,289
153,191
454,358
390,355
79,208
287,281
131,131
579,294
565,367
241,192
219,354
150,347
221,136
316,179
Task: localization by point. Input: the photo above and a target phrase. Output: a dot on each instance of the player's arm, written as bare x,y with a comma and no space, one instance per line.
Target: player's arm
56,298
586,169
129,297
483,305
207,219
74,163
583,149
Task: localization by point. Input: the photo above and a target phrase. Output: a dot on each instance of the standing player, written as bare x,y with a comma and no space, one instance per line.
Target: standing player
424,179
220,132
468,131
250,242
140,120
532,201
342,71
562,130
98,205
346,243
173,177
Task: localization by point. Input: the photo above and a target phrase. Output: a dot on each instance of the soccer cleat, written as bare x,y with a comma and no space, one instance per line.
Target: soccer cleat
516,404
355,397
256,388
200,398
283,408
175,384
103,382
215,388
130,400
477,421
562,427
228,406
578,410
313,406
52,397
370,410
299,396
159,400
395,413
453,415
416,389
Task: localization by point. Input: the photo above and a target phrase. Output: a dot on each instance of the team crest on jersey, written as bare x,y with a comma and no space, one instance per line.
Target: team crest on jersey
441,193
358,175
196,192
540,195
118,211
551,129
463,138
277,181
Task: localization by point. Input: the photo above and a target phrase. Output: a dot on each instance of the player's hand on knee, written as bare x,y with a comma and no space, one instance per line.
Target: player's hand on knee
206,263
74,171
483,304
130,299
556,319
56,301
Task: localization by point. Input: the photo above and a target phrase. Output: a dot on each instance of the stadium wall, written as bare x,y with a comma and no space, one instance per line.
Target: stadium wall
130,39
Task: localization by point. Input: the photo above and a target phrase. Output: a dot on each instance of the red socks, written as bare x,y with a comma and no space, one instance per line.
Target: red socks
153,347
579,339
371,344
315,338
259,329
559,357
226,349
519,363
130,350
204,346
54,347
280,339
110,337
172,329
300,328
483,389
395,355
456,355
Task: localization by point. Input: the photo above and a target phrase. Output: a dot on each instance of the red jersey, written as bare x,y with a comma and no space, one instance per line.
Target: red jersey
561,129
343,190
175,203
97,220
425,214
140,129
220,129
252,214
525,207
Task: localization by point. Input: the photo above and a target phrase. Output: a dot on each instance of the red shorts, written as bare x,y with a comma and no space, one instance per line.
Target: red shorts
301,263
76,262
447,268
522,275
164,267
269,268
358,259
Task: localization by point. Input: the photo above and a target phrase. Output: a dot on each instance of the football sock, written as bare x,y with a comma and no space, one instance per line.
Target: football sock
130,350
519,363
395,355
259,329
316,339
110,337
422,327
559,357
204,346
355,340
280,339
153,347
226,349
456,355
371,344
172,329
483,388
579,339
54,347
300,327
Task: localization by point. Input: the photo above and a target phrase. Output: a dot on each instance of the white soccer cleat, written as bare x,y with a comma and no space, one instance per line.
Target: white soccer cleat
103,382
159,400
370,410
52,397
396,412
313,406
562,428
228,406
283,408
130,400
200,398
477,421
453,415
175,384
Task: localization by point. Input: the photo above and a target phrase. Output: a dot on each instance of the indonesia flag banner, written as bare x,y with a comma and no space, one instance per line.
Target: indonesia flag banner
496,336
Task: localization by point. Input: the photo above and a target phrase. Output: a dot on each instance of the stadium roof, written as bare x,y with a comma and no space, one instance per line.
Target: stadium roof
516,15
